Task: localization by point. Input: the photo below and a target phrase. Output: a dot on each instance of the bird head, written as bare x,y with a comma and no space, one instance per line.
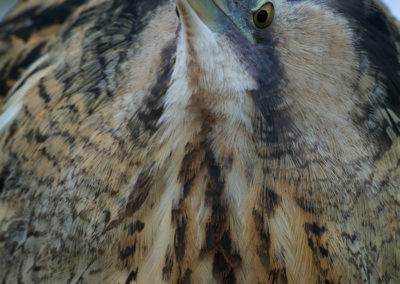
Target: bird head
285,69
294,74
299,63
222,16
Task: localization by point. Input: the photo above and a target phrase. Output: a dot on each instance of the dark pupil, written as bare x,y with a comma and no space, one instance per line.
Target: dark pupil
262,16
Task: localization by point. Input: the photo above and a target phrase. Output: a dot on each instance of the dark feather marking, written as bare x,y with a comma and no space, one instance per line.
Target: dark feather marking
264,238
271,201
4,91
187,186
10,133
278,276
34,54
40,138
230,278
65,74
137,226
132,276
136,198
220,265
134,10
127,252
4,174
84,18
214,192
16,236
42,91
23,62
107,216
139,193
273,124
25,24
167,269
387,62
309,207
226,243
4,86
310,243
324,252
187,174
349,237
114,30
180,220
69,138
13,70
378,38
145,119
11,176
186,279
18,25
218,237
314,233
314,228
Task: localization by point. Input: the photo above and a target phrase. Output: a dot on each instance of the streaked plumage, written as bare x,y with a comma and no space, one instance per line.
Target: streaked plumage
137,146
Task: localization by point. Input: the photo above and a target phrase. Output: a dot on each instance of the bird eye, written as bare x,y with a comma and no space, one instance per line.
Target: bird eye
263,17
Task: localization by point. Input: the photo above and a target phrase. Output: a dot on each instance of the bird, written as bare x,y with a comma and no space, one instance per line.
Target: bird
199,141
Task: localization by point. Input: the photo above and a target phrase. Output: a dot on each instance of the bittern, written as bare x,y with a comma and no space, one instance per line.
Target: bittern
200,141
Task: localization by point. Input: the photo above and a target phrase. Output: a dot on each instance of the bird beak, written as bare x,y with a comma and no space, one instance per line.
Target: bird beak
211,12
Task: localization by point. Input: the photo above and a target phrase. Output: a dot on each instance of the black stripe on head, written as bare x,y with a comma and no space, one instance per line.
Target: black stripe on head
261,60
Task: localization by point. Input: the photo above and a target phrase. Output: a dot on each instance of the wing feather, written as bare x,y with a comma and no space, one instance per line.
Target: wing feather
25,35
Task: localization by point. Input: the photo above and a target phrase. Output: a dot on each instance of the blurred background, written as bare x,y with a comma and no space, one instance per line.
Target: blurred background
394,6
5,6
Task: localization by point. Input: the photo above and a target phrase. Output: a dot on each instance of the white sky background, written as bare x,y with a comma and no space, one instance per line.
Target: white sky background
394,6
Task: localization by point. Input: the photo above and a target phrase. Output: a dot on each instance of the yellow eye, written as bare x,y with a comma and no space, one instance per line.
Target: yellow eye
264,16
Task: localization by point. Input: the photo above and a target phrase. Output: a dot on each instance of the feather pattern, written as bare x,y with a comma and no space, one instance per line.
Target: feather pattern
141,147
